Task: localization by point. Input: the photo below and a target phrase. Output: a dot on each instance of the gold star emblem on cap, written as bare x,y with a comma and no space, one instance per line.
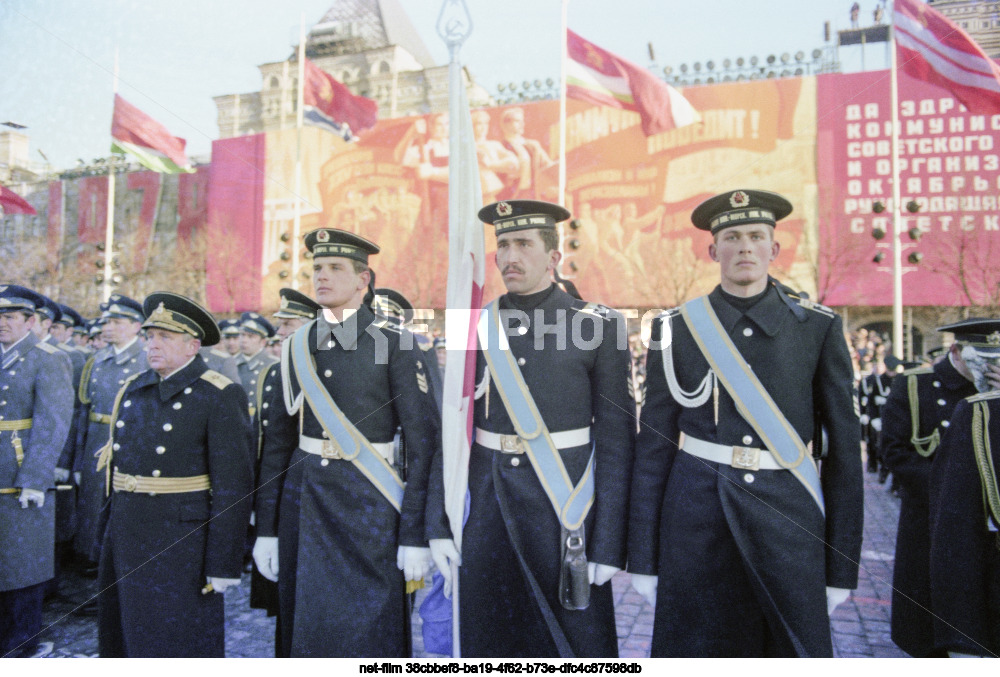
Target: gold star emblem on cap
504,209
993,339
284,301
739,199
323,236
160,314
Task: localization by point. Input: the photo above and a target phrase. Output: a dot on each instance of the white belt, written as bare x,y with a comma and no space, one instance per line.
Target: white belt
744,458
512,444
330,449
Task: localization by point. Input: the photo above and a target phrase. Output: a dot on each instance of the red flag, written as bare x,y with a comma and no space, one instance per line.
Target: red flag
932,48
134,132
13,203
600,77
330,105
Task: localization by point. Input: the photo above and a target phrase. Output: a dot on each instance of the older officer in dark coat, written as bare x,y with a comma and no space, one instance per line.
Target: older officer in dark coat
914,419
103,376
744,546
346,524
531,584
181,466
35,412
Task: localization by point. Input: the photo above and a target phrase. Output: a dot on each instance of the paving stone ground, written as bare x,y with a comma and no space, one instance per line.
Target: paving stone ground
860,625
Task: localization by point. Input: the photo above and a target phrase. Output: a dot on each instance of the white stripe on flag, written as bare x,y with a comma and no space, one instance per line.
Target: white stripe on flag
591,79
948,69
927,43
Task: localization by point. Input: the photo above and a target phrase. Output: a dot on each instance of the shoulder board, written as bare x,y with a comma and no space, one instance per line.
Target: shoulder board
917,371
597,310
983,397
219,353
809,304
384,323
216,379
47,347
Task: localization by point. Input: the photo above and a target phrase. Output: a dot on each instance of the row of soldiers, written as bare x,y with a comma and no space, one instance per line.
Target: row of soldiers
921,424
737,506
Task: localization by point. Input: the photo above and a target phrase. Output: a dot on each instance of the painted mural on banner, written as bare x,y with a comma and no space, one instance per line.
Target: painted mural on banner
631,196
949,165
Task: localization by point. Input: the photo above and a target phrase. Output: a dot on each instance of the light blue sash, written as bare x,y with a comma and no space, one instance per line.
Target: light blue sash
353,445
751,398
571,503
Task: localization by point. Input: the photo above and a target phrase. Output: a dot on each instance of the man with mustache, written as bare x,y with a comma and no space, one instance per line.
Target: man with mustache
742,545
548,491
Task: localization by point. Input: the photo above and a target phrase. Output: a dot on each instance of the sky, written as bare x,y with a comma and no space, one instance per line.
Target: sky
174,55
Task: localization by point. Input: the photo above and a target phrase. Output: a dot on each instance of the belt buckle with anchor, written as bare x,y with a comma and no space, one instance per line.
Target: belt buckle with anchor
330,449
511,444
746,458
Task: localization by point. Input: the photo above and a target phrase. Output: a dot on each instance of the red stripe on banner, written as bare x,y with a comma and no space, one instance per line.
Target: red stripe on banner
192,203
150,184
235,230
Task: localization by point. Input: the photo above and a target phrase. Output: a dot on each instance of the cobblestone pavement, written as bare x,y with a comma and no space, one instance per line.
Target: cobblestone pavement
860,625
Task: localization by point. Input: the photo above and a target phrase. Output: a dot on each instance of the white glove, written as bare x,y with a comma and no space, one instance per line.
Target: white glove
959,654
646,586
221,584
414,562
77,476
61,475
31,496
835,597
443,552
265,555
600,573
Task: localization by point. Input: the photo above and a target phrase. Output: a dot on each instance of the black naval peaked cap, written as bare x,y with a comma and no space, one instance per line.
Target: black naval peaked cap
508,216
16,297
738,208
334,242
176,313
295,304
256,324
392,303
122,307
982,333
70,317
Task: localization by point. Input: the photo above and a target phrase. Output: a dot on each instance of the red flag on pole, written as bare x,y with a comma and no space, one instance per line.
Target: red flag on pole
598,76
932,48
134,132
12,203
329,104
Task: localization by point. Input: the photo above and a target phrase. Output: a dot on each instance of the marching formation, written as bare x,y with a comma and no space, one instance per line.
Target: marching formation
163,452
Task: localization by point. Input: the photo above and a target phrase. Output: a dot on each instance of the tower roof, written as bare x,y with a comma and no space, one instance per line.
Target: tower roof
358,25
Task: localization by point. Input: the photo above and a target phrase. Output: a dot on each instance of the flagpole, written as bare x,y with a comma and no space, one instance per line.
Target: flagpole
563,55
109,226
297,221
897,221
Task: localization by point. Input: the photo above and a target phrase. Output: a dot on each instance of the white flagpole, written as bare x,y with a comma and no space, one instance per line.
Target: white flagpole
109,226
563,55
897,220
297,221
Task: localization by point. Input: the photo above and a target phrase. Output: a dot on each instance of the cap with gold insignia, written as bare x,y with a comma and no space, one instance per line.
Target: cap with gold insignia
392,304
738,208
513,215
982,333
49,309
70,317
176,313
253,323
229,328
122,307
334,242
94,327
295,305
15,297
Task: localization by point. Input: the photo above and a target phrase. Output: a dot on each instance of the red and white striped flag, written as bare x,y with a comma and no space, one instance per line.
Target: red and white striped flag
598,76
139,135
466,278
12,203
932,48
